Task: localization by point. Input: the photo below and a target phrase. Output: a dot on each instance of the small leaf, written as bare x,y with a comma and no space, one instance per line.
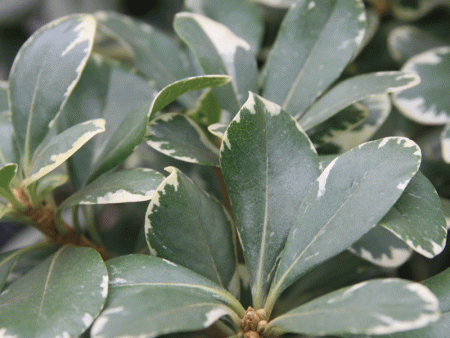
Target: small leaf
205,38
349,198
50,182
417,218
150,296
374,307
218,129
300,68
128,185
43,75
177,136
207,110
428,102
7,173
355,89
188,227
62,147
52,300
268,164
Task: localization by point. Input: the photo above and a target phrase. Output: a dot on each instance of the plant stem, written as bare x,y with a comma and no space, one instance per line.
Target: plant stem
75,220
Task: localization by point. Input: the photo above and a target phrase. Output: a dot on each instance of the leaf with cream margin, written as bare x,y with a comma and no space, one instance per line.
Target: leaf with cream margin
429,102
299,68
150,296
268,164
219,50
189,227
349,198
379,306
177,136
417,218
128,185
61,147
445,143
353,90
52,300
44,73
218,129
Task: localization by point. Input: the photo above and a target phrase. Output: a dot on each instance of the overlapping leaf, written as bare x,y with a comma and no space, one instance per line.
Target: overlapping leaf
268,165
315,42
187,226
52,300
59,50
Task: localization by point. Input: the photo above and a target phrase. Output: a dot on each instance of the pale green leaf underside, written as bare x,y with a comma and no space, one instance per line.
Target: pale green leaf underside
267,173
353,90
61,147
187,226
128,185
300,67
375,307
52,300
349,198
59,50
428,102
206,38
218,129
177,136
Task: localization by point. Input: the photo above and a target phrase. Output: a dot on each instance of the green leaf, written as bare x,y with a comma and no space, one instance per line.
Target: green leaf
177,136
50,182
174,90
355,89
300,68
219,50
7,173
445,143
150,49
62,147
406,41
373,307
52,300
381,247
417,218
7,151
268,164
128,185
349,198
207,110
189,227
427,103
150,296
43,75
218,129
242,17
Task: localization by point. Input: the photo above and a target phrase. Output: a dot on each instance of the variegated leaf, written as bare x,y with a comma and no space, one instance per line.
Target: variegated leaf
218,129
43,75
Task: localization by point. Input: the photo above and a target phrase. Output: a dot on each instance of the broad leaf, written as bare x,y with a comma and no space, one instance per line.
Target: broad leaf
375,307
314,44
268,164
355,89
52,300
150,296
59,50
189,227
427,103
417,218
177,136
349,198
205,38
61,147
128,185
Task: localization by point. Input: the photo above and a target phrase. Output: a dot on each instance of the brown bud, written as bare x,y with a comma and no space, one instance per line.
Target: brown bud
261,326
262,314
251,334
250,320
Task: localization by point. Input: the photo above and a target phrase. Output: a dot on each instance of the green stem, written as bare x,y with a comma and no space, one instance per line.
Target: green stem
270,302
75,219
92,226
32,194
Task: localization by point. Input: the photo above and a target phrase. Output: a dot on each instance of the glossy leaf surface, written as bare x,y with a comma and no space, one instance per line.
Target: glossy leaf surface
189,227
315,42
53,300
268,164
59,50
349,198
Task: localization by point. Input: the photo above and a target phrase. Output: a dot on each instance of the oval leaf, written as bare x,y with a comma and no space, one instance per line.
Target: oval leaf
177,136
374,307
188,227
427,103
299,68
43,75
349,198
267,174
52,300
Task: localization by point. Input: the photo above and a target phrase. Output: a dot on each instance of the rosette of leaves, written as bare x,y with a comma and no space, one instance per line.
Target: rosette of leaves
291,216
